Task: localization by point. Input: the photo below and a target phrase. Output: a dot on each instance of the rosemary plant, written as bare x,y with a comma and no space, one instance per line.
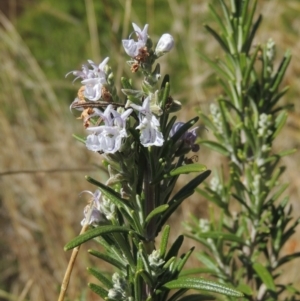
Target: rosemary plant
145,151
244,239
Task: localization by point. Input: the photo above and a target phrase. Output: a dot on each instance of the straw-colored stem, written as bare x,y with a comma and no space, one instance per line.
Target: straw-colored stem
66,279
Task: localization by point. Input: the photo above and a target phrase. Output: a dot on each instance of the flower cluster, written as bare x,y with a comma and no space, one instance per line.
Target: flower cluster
110,134
112,125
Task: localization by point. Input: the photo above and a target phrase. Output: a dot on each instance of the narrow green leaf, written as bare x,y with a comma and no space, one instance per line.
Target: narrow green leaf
165,81
222,235
173,205
281,71
177,295
207,121
249,69
265,276
288,258
99,275
197,297
227,16
197,271
214,65
217,18
158,210
217,37
125,247
215,146
279,123
277,96
111,194
186,169
111,260
214,198
208,261
191,186
181,195
79,138
98,290
165,95
202,284
98,231
164,241
146,276
173,252
278,192
183,260
245,11
246,289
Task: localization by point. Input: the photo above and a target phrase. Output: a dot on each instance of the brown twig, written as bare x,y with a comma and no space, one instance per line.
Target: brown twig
67,276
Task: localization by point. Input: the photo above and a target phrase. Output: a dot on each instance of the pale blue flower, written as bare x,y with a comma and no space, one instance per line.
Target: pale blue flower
164,45
188,138
93,79
108,138
131,46
93,215
149,125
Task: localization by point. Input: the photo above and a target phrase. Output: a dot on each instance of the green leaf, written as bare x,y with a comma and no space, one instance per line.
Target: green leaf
156,211
183,260
175,248
222,235
279,123
208,261
186,169
197,271
111,194
265,276
146,276
98,290
215,146
164,241
246,289
214,65
217,37
288,258
197,297
94,233
111,260
202,284
79,138
281,71
217,18
99,275
177,295
181,195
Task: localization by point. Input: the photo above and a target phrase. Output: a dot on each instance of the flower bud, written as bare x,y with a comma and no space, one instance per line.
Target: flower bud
164,45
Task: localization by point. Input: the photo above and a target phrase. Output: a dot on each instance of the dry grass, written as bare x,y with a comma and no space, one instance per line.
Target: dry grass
41,211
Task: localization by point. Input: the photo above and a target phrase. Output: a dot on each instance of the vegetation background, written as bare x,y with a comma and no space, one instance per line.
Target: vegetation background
42,167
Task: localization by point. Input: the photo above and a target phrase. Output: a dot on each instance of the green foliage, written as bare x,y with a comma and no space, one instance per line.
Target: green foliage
243,247
127,213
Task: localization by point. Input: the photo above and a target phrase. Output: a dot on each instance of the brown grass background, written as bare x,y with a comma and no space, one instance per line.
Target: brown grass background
39,205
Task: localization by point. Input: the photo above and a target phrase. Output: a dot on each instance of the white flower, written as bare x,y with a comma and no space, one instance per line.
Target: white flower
92,79
107,138
131,46
93,215
164,45
149,125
